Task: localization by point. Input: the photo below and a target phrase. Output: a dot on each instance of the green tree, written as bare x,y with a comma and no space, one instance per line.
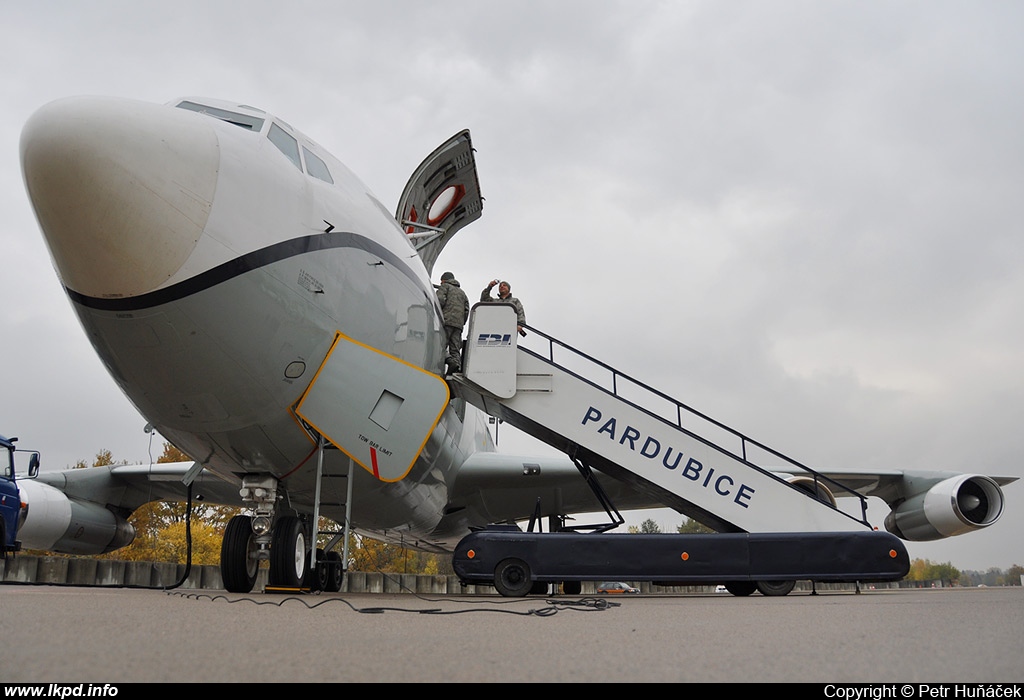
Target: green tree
694,527
649,527
994,577
945,572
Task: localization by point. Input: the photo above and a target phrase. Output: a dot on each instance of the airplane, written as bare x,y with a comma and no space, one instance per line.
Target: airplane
243,287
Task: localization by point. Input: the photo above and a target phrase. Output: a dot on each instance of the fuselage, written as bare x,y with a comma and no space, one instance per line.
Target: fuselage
212,253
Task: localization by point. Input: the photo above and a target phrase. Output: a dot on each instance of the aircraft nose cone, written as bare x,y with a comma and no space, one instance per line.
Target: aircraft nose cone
122,190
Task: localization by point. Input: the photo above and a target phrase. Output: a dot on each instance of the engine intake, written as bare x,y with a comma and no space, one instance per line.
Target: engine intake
957,505
814,488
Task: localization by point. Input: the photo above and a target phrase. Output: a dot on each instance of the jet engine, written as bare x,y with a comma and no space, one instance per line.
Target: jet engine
957,505
55,523
815,488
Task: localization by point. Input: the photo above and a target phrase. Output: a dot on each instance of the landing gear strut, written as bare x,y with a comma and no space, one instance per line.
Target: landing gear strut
284,540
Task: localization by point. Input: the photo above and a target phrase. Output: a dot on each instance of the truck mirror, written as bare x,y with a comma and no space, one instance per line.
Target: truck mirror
33,465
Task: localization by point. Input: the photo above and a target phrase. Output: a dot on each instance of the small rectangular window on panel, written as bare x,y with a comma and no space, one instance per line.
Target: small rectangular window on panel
385,409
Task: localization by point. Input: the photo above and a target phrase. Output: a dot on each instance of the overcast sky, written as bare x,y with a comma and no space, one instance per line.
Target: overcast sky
802,218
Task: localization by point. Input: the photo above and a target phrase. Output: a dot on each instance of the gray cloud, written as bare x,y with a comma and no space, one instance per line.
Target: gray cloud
802,218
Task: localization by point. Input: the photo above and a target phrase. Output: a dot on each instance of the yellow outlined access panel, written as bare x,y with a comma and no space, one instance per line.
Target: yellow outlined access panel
374,407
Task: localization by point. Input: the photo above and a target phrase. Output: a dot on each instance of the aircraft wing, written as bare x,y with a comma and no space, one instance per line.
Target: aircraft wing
441,197
128,486
890,485
85,511
495,487
924,505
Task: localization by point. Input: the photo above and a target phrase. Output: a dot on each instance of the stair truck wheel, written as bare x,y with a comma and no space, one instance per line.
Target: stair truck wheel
512,578
775,588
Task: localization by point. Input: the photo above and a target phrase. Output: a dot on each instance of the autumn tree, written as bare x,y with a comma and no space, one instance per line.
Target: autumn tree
168,512
102,459
161,527
368,554
926,570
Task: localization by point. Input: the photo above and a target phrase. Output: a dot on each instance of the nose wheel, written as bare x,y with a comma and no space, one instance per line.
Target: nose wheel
239,555
288,553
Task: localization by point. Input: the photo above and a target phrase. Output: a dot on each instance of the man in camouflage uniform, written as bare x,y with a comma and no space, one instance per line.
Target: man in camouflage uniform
505,296
455,310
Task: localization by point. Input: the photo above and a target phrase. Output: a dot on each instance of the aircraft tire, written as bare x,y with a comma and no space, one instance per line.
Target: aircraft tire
317,574
512,578
775,588
335,574
238,561
287,553
740,588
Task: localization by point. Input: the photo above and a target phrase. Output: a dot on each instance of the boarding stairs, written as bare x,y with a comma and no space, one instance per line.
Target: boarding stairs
619,426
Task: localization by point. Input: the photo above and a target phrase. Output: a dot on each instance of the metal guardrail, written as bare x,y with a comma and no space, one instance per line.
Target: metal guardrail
672,411
26,569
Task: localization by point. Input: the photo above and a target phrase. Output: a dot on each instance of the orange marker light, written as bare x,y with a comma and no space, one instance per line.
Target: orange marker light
685,556
471,554
892,553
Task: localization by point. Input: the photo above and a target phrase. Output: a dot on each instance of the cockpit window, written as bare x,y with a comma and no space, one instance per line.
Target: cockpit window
242,120
316,167
285,143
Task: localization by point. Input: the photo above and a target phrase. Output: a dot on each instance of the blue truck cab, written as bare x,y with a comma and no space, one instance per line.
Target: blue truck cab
10,499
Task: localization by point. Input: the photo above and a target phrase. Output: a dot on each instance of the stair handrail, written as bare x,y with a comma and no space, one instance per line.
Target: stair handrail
681,407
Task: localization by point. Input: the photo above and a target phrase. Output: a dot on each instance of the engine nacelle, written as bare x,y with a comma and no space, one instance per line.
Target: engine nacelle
816,489
55,523
957,505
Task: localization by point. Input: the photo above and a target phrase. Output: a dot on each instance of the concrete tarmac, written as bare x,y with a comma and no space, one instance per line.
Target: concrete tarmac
92,635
